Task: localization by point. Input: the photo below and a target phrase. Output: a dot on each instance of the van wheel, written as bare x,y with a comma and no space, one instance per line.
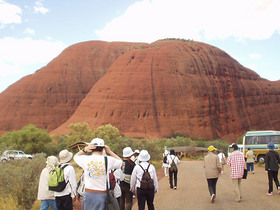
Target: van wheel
261,158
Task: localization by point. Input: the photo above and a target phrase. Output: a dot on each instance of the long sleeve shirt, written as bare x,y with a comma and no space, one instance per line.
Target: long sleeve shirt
237,163
138,172
43,191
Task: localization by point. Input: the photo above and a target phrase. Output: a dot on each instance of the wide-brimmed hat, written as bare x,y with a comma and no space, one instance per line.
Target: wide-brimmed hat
270,145
97,142
65,156
211,148
127,152
144,156
136,151
51,162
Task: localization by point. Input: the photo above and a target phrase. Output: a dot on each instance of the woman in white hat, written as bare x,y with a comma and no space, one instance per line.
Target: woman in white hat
44,194
64,199
127,195
145,192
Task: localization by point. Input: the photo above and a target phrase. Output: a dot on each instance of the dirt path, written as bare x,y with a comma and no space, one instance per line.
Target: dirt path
192,192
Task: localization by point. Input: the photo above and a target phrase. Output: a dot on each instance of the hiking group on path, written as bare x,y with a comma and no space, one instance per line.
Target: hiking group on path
110,182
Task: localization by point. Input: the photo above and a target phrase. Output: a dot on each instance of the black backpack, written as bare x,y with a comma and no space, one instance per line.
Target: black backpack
173,166
146,183
165,159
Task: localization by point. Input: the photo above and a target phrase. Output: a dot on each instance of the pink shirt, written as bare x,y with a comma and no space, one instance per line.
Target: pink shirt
236,161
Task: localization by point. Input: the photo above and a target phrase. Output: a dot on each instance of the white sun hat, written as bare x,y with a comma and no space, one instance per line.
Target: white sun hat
144,156
65,156
97,142
127,152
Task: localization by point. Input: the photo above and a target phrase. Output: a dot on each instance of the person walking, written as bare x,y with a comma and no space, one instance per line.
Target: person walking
222,159
250,159
147,194
213,169
119,176
127,195
64,199
173,162
44,194
272,162
95,172
164,163
237,164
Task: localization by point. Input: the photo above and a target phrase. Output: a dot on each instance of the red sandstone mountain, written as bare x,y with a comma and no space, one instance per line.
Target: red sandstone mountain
50,96
150,91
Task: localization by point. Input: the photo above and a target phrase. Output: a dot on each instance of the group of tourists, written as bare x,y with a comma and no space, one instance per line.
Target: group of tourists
133,175
239,166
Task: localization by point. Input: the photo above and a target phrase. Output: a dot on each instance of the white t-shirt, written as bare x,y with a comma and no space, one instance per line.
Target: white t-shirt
172,157
94,169
221,156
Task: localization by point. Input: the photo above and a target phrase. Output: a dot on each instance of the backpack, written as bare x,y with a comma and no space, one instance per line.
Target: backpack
173,166
56,180
146,183
165,159
81,186
113,180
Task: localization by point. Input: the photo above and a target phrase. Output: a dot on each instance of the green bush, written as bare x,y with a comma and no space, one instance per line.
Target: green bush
21,179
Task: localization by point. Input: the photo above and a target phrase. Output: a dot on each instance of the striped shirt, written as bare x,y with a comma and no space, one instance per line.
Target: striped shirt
236,161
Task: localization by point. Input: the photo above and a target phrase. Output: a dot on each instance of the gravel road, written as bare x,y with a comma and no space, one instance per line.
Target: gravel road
192,192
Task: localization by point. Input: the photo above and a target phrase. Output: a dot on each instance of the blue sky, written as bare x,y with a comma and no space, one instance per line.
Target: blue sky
33,32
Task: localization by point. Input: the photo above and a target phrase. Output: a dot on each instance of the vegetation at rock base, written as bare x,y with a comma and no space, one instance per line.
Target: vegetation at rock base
19,178
19,181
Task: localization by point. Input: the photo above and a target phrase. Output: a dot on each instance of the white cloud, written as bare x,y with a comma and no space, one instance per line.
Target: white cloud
39,8
255,56
15,53
29,31
9,13
7,69
148,21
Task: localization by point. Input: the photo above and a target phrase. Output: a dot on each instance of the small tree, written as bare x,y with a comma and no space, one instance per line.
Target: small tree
79,132
107,132
30,139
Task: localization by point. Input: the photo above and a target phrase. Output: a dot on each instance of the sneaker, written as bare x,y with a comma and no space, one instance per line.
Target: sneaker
175,188
268,193
171,188
237,200
213,198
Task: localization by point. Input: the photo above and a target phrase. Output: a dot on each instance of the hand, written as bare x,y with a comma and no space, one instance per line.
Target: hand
107,149
89,148
266,172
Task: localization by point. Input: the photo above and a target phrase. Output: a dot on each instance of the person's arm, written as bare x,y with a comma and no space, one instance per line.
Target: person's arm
133,180
88,148
111,153
155,180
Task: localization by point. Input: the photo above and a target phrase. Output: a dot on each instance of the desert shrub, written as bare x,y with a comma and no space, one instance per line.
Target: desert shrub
175,142
21,178
8,203
29,139
219,144
107,132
